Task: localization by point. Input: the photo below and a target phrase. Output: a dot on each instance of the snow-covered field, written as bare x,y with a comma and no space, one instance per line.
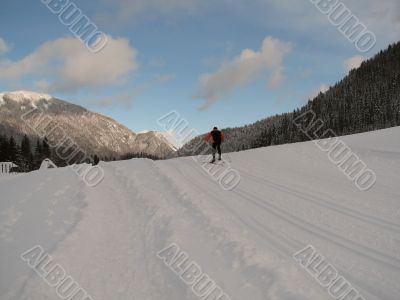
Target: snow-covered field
107,238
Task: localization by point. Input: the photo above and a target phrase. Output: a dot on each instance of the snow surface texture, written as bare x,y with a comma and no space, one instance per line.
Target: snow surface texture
22,96
107,238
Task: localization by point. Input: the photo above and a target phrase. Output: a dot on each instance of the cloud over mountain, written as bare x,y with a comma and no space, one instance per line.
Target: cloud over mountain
66,65
353,62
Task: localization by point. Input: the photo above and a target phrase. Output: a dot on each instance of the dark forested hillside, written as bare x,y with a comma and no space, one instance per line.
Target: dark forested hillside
28,154
367,99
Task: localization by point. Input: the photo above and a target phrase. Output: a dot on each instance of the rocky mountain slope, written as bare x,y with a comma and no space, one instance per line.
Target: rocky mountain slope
92,132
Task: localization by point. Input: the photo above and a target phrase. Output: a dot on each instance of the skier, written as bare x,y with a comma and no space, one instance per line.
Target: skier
217,138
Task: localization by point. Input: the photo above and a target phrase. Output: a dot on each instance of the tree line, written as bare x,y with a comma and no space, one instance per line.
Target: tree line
29,153
26,156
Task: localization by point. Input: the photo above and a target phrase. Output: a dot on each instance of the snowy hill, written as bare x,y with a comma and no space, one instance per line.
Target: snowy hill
92,132
107,238
25,96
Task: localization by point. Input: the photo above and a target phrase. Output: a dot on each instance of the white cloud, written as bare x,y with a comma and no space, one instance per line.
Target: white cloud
66,65
353,62
4,47
248,67
322,89
276,79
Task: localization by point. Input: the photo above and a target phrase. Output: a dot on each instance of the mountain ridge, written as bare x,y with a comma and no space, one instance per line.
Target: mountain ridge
93,132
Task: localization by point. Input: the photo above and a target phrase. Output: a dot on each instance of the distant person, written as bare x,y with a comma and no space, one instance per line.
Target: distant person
217,138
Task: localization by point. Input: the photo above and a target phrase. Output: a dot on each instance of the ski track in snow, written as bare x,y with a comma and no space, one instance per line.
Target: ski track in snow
290,196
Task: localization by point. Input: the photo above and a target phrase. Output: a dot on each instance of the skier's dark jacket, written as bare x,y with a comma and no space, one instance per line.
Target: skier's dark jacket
216,136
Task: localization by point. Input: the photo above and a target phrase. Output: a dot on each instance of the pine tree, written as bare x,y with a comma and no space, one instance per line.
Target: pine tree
46,148
13,151
38,155
26,154
96,160
3,148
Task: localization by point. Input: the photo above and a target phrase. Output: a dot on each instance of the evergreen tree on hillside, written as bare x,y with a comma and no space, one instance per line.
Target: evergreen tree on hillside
26,163
96,160
3,148
13,151
38,154
46,148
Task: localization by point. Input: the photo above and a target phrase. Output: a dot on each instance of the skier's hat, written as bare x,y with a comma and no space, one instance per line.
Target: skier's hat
215,128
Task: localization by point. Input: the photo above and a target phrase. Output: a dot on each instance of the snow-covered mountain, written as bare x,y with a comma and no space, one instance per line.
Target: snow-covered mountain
94,133
107,237
168,137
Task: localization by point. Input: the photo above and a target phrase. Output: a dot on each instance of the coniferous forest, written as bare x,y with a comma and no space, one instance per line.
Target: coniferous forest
29,154
26,156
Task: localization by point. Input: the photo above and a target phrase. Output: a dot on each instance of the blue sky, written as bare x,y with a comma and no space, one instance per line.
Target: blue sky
225,63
